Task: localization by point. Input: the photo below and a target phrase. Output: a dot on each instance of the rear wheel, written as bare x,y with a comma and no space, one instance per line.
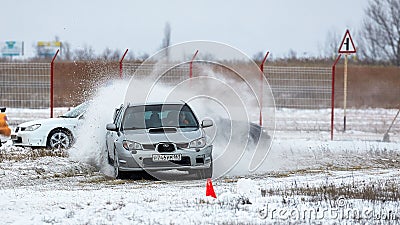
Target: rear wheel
58,139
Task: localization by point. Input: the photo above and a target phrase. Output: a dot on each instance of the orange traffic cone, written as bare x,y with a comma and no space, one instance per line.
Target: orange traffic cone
209,189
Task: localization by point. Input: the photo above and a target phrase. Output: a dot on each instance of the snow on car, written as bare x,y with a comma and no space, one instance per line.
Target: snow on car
53,132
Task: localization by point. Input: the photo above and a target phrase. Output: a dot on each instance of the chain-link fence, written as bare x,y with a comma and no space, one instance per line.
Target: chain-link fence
25,85
300,87
302,94
167,74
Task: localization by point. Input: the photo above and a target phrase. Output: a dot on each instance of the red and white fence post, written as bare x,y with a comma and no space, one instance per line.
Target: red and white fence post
52,84
262,86
333,95
191,64
120,63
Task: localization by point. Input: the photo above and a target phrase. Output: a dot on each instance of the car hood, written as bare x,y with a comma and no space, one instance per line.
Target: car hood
50,121
180,136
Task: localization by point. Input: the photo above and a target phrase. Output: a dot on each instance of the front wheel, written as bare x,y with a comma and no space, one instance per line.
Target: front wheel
58,139
117,173
205,173
116,166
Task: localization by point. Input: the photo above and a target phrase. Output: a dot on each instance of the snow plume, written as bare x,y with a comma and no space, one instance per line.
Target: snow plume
223,99
91,137
238,147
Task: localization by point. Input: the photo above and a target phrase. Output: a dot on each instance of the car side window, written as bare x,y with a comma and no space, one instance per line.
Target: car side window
115,114
118,116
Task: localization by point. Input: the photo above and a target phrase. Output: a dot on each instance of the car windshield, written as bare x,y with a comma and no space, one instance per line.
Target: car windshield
77,111
162,115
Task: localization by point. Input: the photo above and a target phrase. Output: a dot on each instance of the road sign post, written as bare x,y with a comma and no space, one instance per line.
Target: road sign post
346,47
345,92
262,88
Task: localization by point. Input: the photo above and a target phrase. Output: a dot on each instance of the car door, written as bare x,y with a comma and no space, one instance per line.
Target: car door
112,136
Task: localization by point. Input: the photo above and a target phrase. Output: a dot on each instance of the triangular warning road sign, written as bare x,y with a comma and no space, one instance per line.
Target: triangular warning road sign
347,45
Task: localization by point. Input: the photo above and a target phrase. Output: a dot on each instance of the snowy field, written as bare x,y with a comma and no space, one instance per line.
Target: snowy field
304,181
305,178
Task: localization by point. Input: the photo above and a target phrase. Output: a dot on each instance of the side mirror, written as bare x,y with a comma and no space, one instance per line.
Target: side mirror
111,127
207,123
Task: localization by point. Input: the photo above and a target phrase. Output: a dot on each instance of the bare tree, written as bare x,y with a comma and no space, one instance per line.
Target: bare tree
106,54
380,33
332,44
110,55
66,51
85,53
130,56
292,54
167,38
142,56
258,57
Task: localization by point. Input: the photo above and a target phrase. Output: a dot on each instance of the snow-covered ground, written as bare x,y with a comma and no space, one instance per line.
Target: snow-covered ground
305,178
40,189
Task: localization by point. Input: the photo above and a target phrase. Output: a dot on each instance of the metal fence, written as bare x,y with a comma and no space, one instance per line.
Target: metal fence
25,85
168,74
294,89
300,87
302,94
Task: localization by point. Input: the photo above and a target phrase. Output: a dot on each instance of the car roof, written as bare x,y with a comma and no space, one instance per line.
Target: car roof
157,103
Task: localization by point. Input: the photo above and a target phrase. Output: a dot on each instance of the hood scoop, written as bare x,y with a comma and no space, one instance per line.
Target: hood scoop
163,130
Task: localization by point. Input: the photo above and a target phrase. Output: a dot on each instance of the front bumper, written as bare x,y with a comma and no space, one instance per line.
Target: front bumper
142,160
28,139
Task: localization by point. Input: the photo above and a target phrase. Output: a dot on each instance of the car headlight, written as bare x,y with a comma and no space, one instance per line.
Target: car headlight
131,145
32,127
198,143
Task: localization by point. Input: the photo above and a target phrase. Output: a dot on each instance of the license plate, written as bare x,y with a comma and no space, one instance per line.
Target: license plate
14,137
169,157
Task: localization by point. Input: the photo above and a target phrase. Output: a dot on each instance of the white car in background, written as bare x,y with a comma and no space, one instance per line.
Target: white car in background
52,133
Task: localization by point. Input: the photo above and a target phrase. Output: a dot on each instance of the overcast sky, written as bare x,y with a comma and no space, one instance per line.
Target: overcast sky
251,26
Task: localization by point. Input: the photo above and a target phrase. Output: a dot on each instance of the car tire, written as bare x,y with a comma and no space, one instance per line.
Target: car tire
117,173
59,139
205,173
110,160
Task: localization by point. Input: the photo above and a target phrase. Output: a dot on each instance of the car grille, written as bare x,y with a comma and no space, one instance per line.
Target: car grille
185,161
154,146
165,147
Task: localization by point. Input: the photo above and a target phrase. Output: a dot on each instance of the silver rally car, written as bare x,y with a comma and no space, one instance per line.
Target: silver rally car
158,136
